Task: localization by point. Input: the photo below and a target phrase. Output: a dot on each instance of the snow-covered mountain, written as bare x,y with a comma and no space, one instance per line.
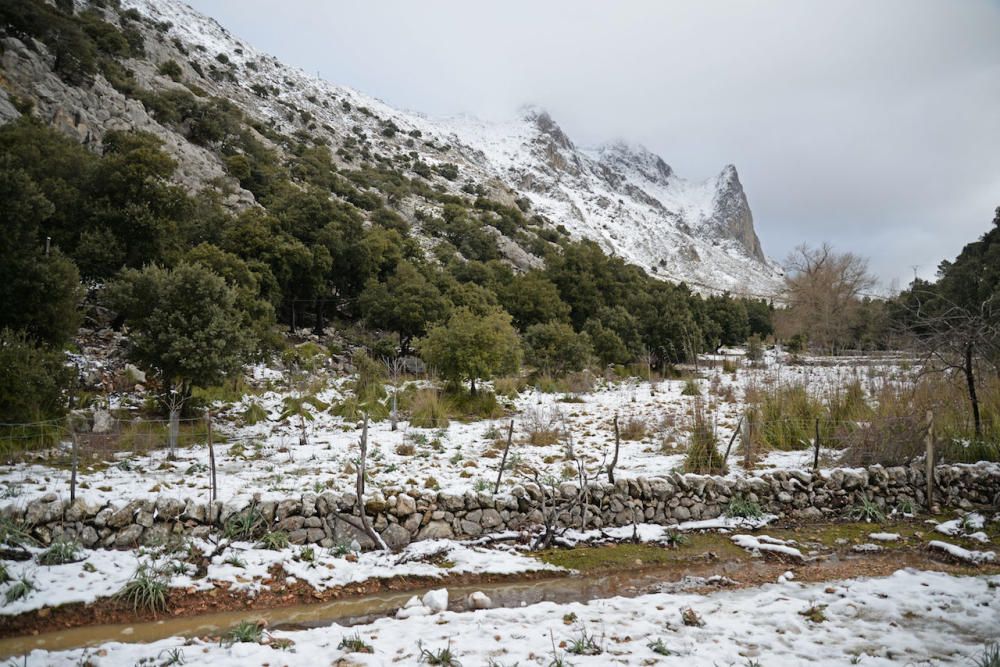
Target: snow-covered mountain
629,200
622,196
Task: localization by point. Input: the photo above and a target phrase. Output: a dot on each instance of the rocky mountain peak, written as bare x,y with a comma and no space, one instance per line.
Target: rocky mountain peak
733,218
621,154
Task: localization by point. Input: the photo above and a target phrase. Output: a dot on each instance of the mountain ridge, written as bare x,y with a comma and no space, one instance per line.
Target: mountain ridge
620,195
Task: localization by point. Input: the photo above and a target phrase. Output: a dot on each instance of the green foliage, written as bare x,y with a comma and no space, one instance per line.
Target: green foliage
691,388
244,632
354,644
585,644
185,322
145,591
35,381
472,347
867,510
703,455
531,298
60,553
755,348
244,525
406,303
21,588
38,291
275,541
170,68
254,414
990,657
14,533
659,648
443,657
555,348
740,506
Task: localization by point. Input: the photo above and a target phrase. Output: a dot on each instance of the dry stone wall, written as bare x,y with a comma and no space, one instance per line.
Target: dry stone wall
404,515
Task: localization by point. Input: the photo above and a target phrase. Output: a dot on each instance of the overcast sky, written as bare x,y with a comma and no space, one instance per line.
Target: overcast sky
872,125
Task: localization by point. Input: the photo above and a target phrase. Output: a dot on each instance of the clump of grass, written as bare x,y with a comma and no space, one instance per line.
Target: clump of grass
4,574
428,409
60,553
354,644
19,589
248,632
406,449
145,591
244,525
703,455
867,510
443,657
814,613
742,507
990,656
464,405
254,414
691,388
235,561
14,533
509,387
275,541
787,416
659,648
585,644
542,426
673,539
729,366
633,428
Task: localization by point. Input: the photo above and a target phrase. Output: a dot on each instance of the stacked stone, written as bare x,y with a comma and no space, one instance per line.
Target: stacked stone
401,516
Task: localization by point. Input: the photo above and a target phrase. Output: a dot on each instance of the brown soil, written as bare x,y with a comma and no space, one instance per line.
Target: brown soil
191,602
637,580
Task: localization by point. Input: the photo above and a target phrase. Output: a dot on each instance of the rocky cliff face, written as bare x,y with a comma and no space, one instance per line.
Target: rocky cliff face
624,197
629,200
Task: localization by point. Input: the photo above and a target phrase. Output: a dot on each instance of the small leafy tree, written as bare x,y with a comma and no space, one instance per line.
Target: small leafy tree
34,380
186,325
472,347
554,347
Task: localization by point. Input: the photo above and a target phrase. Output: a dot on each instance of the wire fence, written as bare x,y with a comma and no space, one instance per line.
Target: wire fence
59,450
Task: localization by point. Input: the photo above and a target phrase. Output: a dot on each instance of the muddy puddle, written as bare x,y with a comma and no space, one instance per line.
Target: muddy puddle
710,562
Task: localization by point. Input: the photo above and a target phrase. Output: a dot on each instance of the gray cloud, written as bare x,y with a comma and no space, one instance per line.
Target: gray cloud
874,125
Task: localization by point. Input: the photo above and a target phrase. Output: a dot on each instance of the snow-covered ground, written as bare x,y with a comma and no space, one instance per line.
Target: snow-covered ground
908,618
267,459
247,567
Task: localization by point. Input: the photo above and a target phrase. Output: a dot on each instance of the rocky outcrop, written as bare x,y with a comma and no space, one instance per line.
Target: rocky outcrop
732,218
401,516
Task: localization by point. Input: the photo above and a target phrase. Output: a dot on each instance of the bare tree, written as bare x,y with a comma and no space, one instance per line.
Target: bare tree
361,521
955,338
395,367
823,290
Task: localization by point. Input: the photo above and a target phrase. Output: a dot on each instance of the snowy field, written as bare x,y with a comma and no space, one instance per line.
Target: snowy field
909,618
267,458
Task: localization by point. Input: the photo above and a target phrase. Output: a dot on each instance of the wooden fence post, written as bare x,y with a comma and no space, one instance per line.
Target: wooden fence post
211,455
739,429
747,463
614,461
73,463
929,439
503,461
816,455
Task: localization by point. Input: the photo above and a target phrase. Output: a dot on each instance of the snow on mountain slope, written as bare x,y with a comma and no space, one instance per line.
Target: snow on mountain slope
622,196
630,201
